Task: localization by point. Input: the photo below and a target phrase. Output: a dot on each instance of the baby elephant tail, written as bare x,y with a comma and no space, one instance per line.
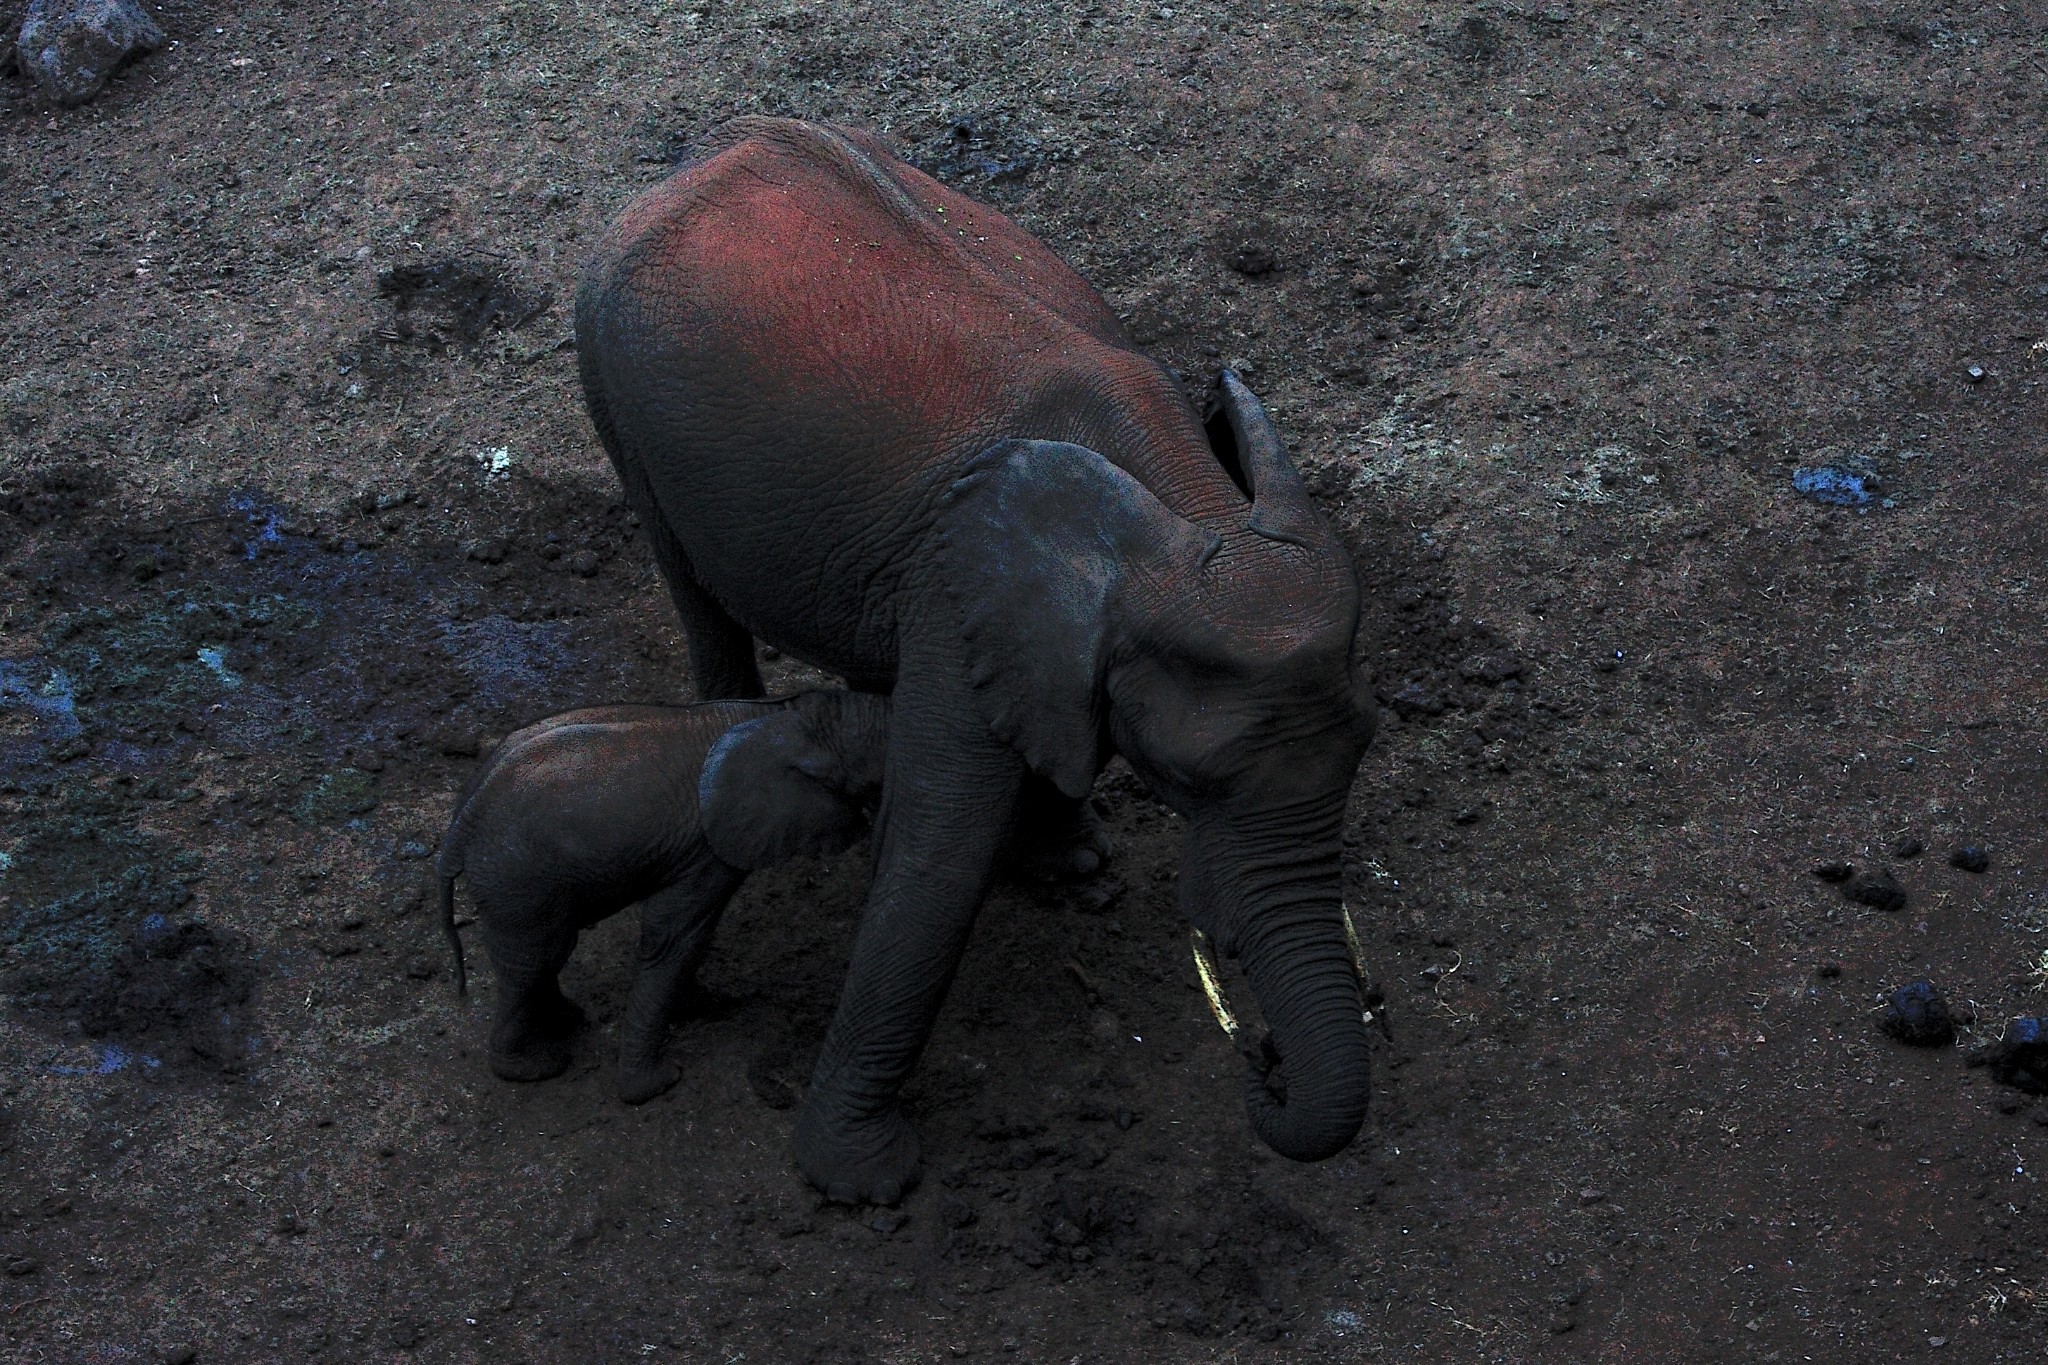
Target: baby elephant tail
448,931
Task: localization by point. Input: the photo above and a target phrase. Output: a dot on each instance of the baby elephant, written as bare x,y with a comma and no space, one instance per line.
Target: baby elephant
578,816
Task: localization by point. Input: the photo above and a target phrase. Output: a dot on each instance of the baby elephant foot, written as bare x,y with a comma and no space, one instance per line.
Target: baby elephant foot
1069,847
534,1043
530,1059
872,1162
642,1081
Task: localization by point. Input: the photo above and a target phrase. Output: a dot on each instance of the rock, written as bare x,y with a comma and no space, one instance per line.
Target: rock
1834,871
1878,889
1909,847
70,48
1970,858
2020,1058
584,564
1917,1014
1975,374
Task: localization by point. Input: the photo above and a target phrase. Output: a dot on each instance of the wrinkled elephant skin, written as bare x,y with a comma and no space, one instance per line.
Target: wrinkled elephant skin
579,816
880,426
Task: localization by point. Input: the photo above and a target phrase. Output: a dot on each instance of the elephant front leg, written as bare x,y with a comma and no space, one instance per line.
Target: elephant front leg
949,795
676,925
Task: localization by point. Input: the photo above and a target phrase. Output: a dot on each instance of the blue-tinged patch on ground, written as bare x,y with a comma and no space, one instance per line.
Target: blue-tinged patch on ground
1847,481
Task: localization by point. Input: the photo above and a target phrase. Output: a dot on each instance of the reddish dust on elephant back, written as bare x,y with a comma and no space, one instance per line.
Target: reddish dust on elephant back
1670,382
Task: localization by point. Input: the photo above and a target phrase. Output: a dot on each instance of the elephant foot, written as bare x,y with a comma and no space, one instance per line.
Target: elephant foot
1066,842
533,1043
641,1082
873,1162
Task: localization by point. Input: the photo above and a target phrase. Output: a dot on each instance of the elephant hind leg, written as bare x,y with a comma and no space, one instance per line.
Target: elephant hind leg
721,649
536,1025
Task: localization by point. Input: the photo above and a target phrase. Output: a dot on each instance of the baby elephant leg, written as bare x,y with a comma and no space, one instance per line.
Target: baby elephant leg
676,924
530,1039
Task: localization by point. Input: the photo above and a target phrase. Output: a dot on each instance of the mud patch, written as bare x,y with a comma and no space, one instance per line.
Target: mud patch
454,300
982,151
121,960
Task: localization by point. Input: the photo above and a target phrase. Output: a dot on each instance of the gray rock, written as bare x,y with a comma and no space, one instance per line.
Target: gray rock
70,48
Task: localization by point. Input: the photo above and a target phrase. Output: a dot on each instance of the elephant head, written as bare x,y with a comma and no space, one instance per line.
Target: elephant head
1219,660
797,782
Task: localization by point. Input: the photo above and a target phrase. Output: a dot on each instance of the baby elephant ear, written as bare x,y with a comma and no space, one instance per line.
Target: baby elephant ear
764,796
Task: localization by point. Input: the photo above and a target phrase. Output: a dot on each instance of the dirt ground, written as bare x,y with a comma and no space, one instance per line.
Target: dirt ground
1560,309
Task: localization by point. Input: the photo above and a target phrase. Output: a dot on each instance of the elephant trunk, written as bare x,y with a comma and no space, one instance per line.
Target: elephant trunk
1276,906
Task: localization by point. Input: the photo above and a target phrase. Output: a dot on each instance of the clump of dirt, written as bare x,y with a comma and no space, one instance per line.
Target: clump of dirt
1918,1014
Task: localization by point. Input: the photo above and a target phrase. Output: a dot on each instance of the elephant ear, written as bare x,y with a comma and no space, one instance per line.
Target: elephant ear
1037,538
766,796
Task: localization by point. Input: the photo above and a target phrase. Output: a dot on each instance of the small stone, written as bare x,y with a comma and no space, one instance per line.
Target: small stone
1975,373
1909,847
1836,871
584,564
1828,971
1970,858
181,1355
1879,890
71,48
18,1265
1916,1014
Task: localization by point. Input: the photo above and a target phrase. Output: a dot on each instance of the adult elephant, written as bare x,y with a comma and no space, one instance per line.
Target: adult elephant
880,426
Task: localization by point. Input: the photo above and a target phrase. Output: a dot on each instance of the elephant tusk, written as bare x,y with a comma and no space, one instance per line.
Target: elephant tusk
1351,941
1212,982
1365,985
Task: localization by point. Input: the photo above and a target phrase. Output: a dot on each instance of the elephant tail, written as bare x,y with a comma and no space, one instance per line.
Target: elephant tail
448,931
